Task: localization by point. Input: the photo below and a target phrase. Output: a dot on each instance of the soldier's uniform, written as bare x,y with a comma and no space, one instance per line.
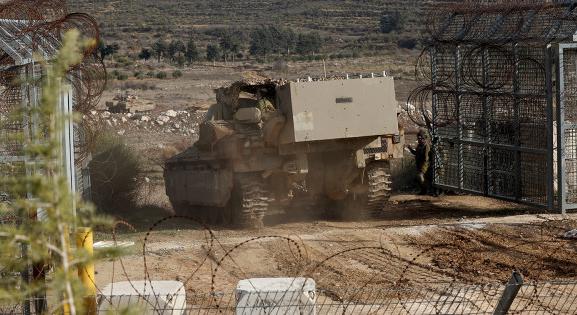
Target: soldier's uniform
423,161
265,105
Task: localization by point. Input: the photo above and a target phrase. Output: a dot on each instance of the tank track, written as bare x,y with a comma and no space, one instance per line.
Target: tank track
253,201
378,177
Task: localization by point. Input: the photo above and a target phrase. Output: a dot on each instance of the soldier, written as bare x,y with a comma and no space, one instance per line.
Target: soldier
264,104
423,161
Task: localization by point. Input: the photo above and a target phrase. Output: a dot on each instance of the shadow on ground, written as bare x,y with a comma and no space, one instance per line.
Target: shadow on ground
401,209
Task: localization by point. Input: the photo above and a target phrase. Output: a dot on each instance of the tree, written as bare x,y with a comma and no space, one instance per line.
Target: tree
212,52
309,43
191,52
159,49
229,44
289,41
145,54
390,21
175,48
261,41
272,39
107,50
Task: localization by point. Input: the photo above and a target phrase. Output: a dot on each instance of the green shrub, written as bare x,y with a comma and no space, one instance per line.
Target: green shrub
408,43
161,75
124,61
176,74
45,187
122,77
150,74
114,171
112,75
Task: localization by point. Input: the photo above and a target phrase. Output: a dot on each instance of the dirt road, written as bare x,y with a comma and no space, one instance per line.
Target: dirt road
470,240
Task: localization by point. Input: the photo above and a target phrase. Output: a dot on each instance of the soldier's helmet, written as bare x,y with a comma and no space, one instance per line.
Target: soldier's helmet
422,134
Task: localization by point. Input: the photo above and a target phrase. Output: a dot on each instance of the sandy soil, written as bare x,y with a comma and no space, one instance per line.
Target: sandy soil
464,239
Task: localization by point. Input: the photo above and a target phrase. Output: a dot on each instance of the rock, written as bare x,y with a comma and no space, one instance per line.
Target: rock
163,118
123,119
144,118
129,115
105,114
121,132
109,123
176,126
570,234
93,112
170,113
160,122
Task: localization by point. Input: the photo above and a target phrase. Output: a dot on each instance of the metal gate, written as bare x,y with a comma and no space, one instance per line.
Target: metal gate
499,95
493,121
567,125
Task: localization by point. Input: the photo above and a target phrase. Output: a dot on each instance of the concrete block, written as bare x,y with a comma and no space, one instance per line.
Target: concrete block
149,297
276,296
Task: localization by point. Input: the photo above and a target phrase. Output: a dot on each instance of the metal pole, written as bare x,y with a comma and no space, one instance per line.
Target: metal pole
517,115
458,96
550,151
487,117
511,290
434,105
84,239
561,184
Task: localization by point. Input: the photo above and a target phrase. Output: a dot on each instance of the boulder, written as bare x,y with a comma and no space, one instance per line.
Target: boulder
170,113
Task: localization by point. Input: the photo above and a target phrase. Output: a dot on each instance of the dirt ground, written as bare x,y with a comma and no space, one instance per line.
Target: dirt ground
452,239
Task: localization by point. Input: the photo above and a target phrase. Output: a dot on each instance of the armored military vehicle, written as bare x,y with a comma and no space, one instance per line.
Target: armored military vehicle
287,145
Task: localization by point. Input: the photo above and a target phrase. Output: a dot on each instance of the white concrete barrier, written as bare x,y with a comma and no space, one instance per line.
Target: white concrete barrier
276,296
149,297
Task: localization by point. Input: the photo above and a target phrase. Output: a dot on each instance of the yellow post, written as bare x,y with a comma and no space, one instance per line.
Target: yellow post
85,240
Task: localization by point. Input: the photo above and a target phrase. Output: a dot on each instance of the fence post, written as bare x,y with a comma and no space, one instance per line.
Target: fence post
510,293
84,239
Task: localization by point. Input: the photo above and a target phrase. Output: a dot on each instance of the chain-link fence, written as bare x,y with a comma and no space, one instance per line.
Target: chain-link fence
435,298
498,100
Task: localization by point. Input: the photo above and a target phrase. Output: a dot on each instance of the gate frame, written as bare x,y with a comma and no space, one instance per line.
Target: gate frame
551,204
561,128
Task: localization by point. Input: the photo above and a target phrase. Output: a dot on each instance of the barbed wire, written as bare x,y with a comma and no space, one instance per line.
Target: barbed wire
413,270
36,27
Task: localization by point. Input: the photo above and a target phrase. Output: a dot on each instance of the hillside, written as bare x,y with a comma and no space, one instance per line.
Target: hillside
346,24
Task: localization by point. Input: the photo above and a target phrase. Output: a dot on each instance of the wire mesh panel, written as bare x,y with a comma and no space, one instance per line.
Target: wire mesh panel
489,83
568,124
491,125
546,298
428,298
